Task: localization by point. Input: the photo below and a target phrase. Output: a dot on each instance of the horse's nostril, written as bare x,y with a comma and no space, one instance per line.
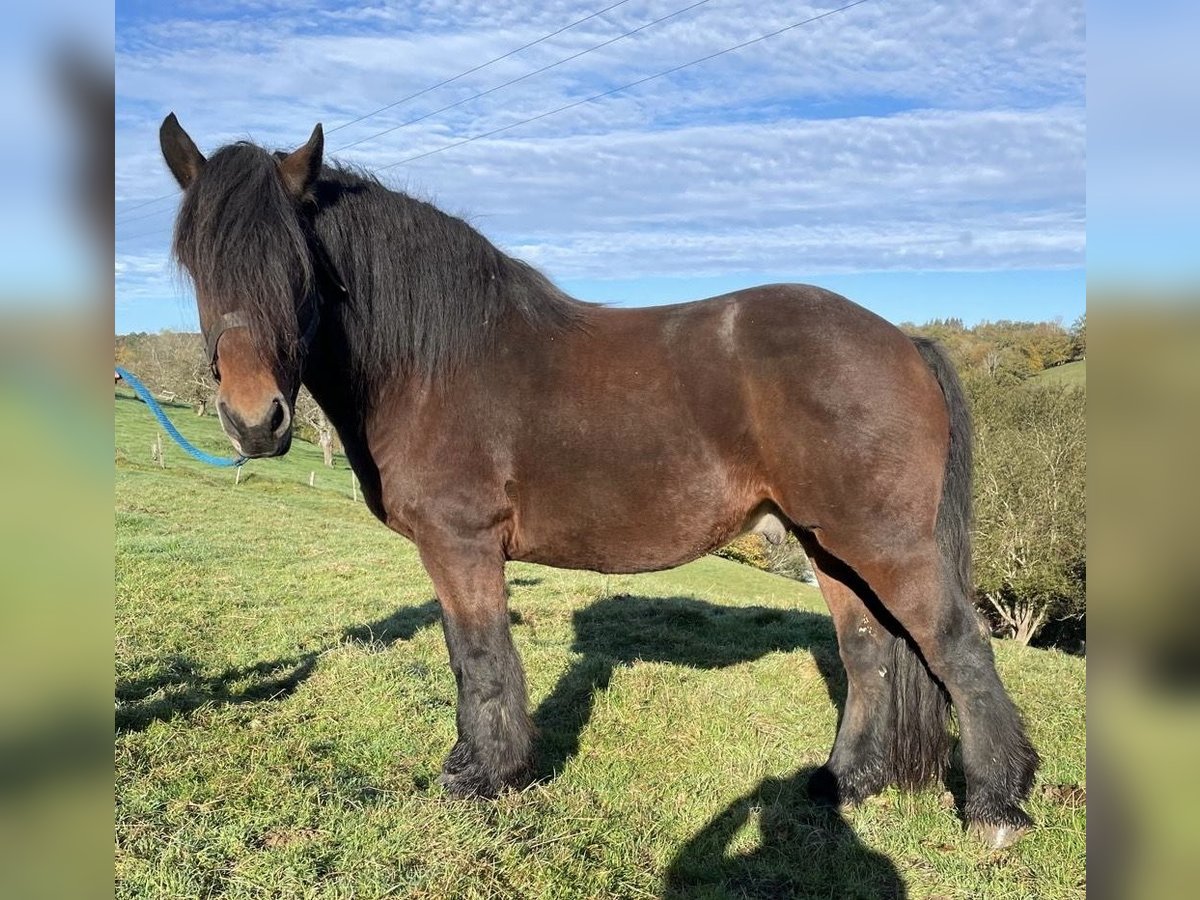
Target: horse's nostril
278,415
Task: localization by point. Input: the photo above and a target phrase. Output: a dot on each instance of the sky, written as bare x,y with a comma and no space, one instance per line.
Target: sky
925,159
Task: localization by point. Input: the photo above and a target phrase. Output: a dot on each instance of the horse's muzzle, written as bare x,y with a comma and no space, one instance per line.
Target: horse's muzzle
270,435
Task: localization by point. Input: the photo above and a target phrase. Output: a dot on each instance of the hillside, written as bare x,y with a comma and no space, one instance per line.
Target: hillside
283,706
1073,374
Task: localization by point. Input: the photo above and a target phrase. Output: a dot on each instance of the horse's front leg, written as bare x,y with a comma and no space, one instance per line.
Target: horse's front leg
495,734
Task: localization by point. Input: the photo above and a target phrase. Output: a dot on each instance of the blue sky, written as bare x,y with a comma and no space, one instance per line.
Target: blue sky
927,160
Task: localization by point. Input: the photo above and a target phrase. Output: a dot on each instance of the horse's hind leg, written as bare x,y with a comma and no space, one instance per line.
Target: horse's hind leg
893,726
916,587
495,733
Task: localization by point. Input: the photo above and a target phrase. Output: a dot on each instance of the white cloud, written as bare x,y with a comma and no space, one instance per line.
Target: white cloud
876,139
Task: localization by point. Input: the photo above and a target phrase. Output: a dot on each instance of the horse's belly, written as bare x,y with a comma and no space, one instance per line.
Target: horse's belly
614,531
611,553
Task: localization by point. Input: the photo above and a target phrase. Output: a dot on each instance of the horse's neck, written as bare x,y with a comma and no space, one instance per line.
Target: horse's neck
338,399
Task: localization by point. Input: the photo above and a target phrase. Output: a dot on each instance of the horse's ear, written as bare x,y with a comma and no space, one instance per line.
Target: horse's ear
183,159
301,168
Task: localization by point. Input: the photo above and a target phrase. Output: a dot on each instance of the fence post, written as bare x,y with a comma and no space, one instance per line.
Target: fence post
311,477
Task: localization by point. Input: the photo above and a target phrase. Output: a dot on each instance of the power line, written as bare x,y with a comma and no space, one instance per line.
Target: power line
419,93
154,232
602,94
152,213
624,87
144,204
513,81
470,71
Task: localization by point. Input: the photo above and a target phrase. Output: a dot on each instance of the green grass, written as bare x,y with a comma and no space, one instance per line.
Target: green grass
283,705
1072,374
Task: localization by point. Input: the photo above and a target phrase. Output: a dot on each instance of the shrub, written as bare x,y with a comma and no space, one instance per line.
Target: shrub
1030,547
789,560
749,550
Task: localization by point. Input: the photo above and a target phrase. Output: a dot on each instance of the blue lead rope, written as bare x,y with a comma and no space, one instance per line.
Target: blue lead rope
193,451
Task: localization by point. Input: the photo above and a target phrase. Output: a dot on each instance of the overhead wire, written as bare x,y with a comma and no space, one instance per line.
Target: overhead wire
143,204
474,69
623,87
510,82
608,93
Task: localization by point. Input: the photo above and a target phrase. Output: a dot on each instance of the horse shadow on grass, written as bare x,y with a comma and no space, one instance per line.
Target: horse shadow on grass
803,850
179,685
806,850
618,631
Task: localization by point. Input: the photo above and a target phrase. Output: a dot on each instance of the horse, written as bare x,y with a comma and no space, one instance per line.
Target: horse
490,416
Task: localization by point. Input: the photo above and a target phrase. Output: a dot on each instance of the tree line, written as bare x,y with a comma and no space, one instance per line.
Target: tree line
1007,352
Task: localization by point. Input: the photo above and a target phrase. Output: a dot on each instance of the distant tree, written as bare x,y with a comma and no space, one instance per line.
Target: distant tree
789,560
123,356
311,422
1079,337
1045,345
748,549
172,364
1006,365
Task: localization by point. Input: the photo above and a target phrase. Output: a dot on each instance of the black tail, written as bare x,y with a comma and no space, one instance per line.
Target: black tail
919,748
955,513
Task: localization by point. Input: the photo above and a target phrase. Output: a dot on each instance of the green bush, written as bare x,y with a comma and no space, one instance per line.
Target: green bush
749,550
1030,542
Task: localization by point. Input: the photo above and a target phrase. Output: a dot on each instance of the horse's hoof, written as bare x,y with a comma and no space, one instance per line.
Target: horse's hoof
823,788
842,791
467,784
998,837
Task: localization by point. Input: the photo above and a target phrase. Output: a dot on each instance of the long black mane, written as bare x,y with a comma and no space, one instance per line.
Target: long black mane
425,292
239,239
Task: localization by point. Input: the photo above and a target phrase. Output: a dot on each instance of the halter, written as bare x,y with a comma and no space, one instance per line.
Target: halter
330,289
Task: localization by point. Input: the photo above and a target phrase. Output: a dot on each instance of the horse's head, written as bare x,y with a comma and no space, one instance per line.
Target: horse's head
245,240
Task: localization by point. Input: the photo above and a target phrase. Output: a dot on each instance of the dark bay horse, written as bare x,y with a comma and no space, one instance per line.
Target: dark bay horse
492,417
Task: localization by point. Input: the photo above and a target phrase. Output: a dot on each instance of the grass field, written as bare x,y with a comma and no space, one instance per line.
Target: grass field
1072,374
283,706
